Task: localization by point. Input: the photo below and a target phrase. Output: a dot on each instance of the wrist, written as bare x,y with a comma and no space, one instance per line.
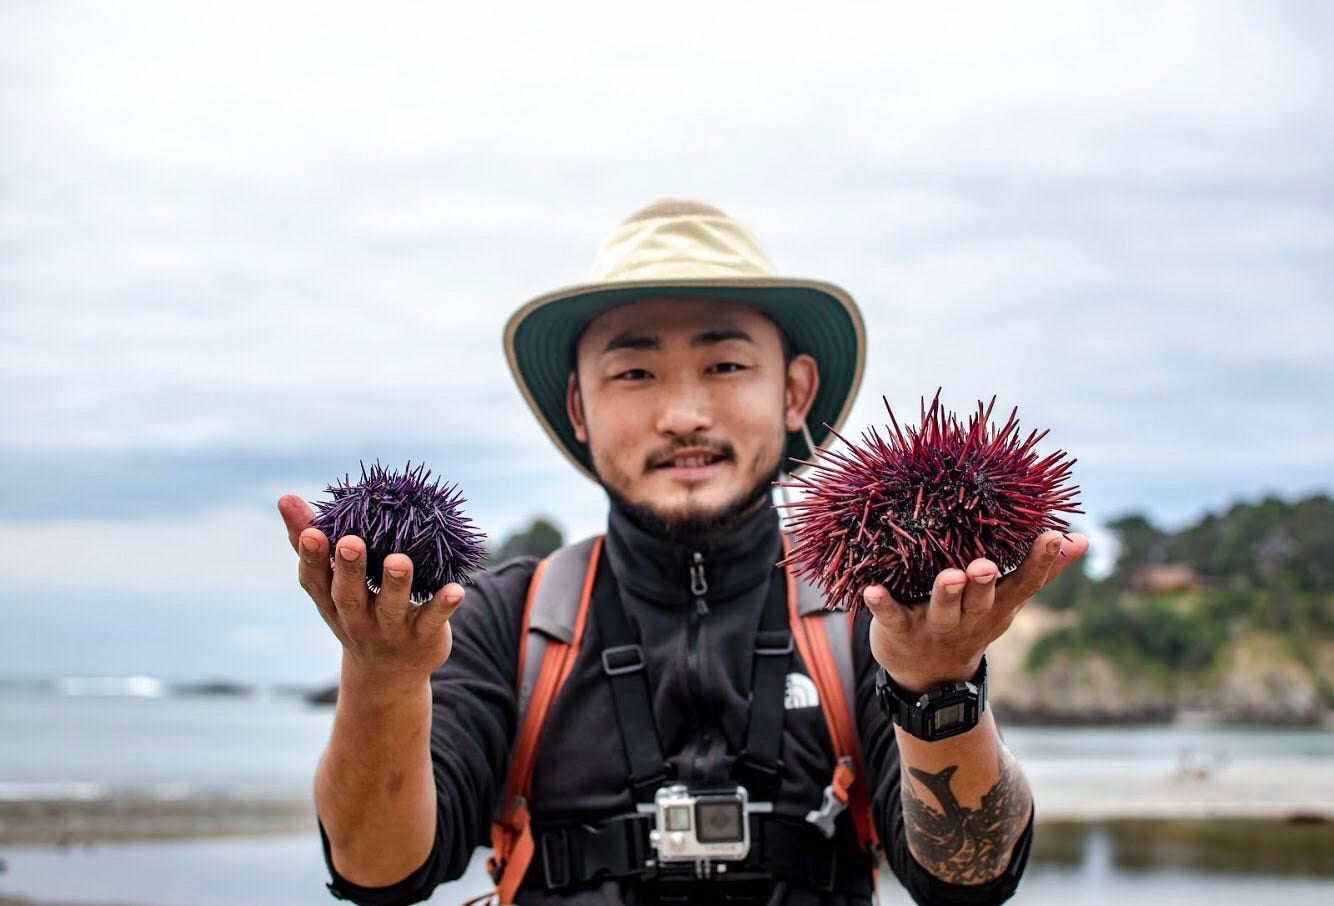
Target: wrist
378,685
919,682
943,711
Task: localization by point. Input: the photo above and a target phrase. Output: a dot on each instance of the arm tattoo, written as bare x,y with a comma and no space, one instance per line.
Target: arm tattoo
959,844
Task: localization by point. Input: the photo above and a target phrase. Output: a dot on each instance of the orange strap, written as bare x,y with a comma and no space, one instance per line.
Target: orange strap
838,715
813,645
512,835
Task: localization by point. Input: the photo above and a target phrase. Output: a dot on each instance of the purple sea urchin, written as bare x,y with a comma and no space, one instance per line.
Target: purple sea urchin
896,512
407,514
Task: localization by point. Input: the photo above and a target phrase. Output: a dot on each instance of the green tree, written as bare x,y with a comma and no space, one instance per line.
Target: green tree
1197,545
1266,564
1312,528
1065,591
540,538
1139,544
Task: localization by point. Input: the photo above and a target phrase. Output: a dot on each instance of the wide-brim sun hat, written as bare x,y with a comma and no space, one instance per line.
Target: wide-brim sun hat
678,248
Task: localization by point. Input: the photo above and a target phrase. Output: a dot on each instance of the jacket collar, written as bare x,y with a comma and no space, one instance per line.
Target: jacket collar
658,570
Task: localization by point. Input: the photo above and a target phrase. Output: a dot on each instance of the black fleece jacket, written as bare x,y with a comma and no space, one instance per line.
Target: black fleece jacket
700,705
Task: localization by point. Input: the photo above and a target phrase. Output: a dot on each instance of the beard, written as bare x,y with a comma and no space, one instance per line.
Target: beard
692,526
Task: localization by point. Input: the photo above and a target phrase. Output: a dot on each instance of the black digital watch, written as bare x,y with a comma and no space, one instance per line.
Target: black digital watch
939,714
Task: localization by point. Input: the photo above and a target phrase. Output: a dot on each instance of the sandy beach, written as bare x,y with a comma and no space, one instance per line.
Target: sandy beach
74,822
1301,791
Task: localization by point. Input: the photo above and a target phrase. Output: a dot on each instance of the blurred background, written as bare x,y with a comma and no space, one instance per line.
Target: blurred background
243,247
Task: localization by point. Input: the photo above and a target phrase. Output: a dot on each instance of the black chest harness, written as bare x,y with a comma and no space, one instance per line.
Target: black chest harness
816,853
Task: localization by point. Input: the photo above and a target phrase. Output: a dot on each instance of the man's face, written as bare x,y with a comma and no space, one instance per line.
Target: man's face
685,405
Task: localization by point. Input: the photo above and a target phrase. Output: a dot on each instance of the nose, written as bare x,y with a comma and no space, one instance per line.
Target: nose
684,409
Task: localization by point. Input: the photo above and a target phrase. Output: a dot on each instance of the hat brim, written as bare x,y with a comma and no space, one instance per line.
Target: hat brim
819,318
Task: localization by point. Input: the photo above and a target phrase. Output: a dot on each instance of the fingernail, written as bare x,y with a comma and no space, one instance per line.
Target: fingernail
1054,547
453,596
396,573
347,553
954,589
308,544
983,580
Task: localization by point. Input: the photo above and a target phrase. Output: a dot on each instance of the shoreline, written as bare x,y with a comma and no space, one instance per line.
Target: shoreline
68,823
1025,717
1298,794
1293,791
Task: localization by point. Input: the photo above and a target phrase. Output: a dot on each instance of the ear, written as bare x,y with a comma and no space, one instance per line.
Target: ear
803,380
574,407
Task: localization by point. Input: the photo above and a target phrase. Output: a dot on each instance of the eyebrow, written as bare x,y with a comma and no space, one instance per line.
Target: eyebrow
703,338
632,341
720,335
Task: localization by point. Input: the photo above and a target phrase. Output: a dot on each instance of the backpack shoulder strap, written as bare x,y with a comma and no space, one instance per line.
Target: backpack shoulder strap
554,617
824,638
838,626
551,612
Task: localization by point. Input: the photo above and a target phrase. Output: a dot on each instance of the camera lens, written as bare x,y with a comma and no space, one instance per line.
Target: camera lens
719,821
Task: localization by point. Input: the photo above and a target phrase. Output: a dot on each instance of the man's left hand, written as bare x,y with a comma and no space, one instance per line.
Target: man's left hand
924,646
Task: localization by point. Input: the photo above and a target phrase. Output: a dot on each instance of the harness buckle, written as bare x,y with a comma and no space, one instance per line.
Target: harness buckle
834,800
616,848
823,817
622,659
555,858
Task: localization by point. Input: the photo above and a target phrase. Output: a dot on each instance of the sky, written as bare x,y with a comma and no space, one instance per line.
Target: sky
244,246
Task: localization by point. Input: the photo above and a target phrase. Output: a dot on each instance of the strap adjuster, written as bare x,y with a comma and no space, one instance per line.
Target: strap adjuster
643,788
761,778
555,865
773,643
622,659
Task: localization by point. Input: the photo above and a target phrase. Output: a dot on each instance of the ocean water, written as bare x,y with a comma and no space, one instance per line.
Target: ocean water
90,738
288,871
93,744
94,740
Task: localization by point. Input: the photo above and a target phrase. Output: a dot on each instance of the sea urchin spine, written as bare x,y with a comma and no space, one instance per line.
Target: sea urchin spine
898,511
408,514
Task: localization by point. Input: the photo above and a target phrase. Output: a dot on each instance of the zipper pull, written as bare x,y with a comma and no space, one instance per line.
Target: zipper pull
699,586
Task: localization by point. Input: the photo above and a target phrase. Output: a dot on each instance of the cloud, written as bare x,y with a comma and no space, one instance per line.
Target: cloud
243,247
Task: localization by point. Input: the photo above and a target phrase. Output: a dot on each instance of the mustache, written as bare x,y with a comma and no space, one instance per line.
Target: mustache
695,442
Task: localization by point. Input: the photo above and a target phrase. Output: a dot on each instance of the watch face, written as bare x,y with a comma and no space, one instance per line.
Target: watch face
950,717
946,712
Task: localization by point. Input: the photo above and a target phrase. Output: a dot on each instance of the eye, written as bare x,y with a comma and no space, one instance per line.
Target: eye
727,367
632,374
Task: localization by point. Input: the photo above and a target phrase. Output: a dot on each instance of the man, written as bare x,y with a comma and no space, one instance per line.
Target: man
683,379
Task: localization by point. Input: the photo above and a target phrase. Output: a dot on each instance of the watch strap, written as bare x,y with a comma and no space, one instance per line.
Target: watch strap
939,713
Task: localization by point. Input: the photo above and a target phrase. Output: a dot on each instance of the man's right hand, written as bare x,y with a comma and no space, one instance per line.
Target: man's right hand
374,787
387,640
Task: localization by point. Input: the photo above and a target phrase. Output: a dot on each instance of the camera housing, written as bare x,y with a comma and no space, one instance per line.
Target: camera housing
701,824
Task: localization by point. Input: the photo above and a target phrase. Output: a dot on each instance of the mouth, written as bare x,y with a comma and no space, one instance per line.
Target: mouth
691,460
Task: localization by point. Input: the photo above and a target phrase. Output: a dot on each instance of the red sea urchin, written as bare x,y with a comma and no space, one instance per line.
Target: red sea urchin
407,514
896,512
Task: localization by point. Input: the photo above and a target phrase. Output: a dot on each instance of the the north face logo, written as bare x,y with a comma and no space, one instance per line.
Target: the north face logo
800,692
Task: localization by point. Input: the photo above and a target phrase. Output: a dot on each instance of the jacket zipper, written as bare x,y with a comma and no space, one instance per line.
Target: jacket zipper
699,588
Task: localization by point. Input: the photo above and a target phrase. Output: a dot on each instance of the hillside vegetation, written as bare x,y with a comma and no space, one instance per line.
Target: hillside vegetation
1234,613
